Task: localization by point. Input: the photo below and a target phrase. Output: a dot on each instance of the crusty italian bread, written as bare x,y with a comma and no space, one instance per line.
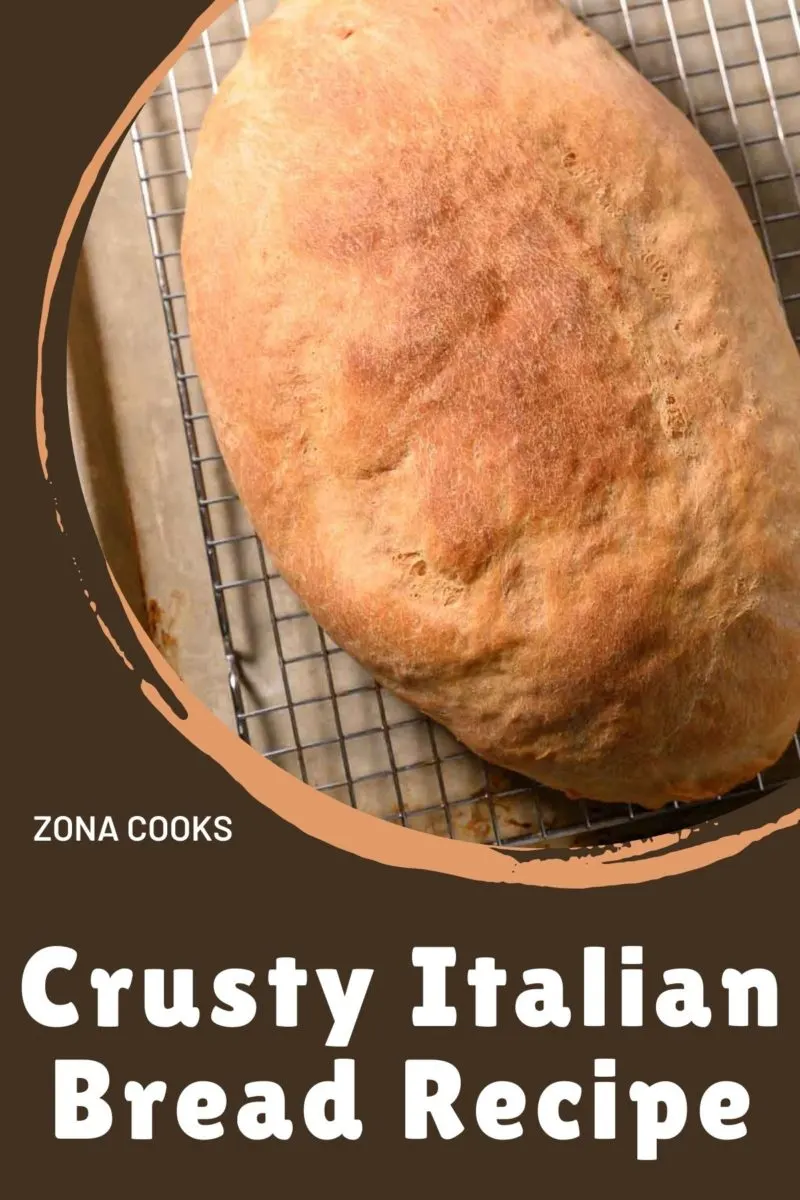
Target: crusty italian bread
497,364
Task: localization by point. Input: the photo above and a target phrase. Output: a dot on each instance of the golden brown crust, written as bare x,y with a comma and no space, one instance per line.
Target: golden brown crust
496,361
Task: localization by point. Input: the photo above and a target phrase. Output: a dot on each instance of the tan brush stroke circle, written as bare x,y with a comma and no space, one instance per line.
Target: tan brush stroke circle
319,815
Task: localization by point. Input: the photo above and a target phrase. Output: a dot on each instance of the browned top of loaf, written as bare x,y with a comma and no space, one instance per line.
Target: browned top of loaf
496,362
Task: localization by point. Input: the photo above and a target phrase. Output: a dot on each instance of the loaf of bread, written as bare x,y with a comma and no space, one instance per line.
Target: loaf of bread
497,364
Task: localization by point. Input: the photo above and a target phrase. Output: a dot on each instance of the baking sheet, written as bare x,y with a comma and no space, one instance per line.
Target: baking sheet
733,65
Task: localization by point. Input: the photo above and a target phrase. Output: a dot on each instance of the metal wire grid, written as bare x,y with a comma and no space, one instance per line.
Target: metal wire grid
733,66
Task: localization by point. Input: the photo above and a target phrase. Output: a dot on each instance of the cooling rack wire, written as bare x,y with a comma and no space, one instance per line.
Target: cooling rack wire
733,66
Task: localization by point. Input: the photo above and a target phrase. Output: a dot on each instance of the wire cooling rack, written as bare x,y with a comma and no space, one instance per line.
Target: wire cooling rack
733,66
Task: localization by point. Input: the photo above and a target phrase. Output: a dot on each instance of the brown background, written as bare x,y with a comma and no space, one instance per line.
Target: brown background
81,738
